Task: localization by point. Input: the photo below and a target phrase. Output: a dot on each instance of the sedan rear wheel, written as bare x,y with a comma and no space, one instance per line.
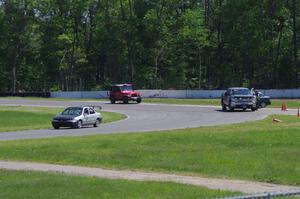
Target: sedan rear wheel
98,121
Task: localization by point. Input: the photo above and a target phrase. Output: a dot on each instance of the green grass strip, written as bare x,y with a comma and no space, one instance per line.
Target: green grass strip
27,118
36,185
260,151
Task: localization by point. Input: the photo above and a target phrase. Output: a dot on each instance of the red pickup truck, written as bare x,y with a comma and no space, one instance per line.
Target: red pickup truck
123,92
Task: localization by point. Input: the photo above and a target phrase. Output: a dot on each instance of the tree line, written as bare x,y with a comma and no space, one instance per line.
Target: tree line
69,45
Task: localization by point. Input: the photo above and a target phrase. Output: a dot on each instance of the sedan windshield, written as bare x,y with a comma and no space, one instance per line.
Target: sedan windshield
241,92
72,111
126,88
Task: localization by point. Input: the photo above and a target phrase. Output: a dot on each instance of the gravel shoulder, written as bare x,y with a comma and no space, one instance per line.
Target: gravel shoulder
248,187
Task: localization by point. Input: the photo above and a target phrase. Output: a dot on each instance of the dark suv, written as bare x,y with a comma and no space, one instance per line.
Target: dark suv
123,92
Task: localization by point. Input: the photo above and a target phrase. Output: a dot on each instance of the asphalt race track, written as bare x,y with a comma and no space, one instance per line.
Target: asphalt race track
141,118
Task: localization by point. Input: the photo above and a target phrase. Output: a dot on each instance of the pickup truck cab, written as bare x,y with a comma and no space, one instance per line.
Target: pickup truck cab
238,97
123,92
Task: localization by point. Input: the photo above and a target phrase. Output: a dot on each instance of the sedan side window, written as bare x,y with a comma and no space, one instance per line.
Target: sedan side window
92,111
86,111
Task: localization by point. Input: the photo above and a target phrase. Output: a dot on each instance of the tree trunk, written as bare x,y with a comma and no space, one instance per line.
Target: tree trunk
295,56
14,78
200,69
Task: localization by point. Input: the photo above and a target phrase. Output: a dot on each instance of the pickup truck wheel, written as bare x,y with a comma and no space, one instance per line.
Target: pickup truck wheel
125,100
224,107
139,100
55,126
244,109
230,107
253,109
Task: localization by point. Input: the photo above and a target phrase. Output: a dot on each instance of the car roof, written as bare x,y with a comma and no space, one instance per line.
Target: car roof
80,107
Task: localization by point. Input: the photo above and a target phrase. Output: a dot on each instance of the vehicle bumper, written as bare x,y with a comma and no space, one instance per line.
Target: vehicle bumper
64,124
243,105
134,98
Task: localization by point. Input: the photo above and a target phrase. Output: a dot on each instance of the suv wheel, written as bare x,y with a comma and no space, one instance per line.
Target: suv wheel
125,100
112,100
253,109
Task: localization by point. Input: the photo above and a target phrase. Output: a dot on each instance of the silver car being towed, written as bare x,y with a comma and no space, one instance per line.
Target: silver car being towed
76,117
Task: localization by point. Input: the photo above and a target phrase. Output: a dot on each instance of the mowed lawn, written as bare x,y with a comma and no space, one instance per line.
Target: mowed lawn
26,118
261,151
36,185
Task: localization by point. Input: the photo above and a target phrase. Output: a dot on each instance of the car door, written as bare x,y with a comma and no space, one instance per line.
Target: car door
86,115
119,95
92,116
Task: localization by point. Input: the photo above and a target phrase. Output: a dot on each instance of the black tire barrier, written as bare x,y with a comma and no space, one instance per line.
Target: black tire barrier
26,94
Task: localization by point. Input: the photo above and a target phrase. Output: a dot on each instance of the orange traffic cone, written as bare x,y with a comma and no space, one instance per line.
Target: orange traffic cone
283,106
298,113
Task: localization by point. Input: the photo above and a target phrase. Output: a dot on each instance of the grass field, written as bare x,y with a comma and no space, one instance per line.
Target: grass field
261,151
36,185
24,118
276,103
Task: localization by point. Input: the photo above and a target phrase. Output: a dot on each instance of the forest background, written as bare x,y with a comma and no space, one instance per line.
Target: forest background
71,45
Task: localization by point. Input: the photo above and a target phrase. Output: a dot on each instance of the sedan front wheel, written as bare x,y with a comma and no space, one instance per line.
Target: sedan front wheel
79,124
